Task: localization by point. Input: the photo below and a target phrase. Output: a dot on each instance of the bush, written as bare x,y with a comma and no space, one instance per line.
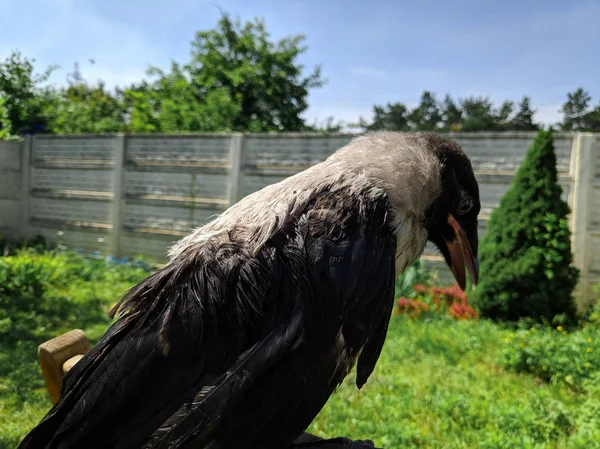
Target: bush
526,260
43,293
587,423
554,354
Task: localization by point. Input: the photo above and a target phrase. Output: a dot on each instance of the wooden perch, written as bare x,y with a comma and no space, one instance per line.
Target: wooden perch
58,355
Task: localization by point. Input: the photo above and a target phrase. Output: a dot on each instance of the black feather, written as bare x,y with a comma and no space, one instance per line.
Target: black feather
225,348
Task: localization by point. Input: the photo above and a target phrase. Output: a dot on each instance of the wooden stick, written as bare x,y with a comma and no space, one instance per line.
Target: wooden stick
58,355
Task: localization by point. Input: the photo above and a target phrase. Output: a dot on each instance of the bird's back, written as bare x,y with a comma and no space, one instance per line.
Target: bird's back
230,346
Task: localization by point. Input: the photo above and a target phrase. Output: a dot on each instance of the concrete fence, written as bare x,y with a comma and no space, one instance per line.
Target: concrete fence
137,194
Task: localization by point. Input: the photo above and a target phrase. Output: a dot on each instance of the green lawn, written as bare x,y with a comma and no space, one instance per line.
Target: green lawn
440,383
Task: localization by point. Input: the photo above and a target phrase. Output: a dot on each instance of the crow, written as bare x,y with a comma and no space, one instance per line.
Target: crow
260,314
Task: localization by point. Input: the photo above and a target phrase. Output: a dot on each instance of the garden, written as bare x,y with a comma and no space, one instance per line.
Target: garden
511,364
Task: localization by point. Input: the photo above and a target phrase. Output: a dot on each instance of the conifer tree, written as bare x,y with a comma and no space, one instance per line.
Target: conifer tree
526,259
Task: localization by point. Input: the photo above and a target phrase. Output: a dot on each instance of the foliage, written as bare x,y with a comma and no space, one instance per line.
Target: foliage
554,354
24,97
576,113
452,115
587,420
81,108
428,302
171,104
479,115
238,79
391,117
563,354
416,273
44,293
260,76
426,116
468,114
5,124
437,384
526,259
523,119
36,292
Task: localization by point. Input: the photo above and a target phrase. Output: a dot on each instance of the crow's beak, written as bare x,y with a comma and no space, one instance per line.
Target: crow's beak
461,254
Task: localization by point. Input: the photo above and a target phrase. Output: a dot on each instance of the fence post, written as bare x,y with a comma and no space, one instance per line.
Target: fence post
118,194
26,156
582,172
236,158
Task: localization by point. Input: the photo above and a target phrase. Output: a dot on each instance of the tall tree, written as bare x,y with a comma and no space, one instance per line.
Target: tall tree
171,103
501,116
426,116
83,108
526,259
477,114
452,115
523,119
262,76
391,117
26,99
592,120
574,110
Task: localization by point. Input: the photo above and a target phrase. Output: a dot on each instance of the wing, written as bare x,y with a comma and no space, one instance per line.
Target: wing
224,344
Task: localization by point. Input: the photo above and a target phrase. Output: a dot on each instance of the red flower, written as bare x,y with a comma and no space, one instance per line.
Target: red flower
460,311
420,288
456,293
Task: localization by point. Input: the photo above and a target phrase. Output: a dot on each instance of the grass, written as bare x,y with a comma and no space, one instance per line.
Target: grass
440,383
76,285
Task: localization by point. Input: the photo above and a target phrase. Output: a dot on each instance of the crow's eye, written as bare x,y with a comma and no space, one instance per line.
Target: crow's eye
465,204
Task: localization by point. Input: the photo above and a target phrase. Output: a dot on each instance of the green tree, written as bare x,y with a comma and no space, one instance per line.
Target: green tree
81,108
477,114
237,80
426,116
523,119
526,260
574,110
480,115
171,104
452,115
26,100
391,117
5,125
501,116
239,61
592,120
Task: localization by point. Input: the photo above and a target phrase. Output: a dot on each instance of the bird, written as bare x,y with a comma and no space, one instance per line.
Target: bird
260,314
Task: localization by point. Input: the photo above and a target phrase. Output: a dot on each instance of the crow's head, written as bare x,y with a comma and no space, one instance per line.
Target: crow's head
429,179
451,220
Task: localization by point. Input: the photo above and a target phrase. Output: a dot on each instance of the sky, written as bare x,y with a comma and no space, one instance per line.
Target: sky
371,51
